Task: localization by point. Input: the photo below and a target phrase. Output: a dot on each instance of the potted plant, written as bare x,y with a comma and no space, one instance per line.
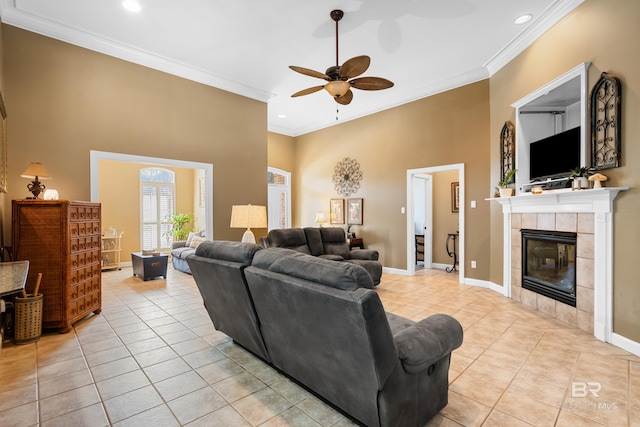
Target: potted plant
580,177
504,186
178,222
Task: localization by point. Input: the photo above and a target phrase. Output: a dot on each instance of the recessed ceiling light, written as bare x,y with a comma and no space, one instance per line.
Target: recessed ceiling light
523,18
131,5
282,116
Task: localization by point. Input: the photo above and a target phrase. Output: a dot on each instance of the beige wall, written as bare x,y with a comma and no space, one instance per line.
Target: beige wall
604,35
282,151
65,101
444,220
282,155
120,196
447,128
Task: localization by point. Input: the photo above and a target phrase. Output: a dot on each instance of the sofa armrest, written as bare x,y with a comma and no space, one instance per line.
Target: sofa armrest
178,244
424,343
365,254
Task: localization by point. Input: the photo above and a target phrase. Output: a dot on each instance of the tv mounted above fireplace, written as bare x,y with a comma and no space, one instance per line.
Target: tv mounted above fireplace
555,156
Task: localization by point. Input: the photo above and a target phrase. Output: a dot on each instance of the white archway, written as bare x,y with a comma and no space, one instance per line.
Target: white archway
96,156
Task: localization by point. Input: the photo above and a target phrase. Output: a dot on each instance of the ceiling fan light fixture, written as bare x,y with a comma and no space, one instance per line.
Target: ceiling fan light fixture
340,78
337,88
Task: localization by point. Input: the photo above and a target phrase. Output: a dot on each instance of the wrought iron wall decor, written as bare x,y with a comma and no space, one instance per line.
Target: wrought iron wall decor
3,148
347,176
606,123
507,149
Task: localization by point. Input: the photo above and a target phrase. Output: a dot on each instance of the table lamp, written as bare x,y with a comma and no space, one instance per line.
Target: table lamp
247,216
320,219
36,171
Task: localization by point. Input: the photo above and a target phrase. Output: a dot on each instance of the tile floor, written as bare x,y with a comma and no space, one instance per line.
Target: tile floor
152,356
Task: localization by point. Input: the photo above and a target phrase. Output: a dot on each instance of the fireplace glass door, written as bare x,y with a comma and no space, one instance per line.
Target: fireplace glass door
549,264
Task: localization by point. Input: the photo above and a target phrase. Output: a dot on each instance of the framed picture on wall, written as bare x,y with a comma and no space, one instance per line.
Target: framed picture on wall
354,211
455,197
336,210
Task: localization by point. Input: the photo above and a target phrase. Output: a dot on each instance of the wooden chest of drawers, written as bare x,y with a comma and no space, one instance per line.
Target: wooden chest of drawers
62,240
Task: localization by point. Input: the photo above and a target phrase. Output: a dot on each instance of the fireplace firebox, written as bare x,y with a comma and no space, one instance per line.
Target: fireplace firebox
549,264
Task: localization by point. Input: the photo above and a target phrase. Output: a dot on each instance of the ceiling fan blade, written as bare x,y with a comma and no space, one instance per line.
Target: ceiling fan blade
345,99
307,91
355,66
308,72
371,83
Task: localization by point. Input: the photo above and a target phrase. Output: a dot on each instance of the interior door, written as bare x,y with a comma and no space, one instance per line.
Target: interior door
423,213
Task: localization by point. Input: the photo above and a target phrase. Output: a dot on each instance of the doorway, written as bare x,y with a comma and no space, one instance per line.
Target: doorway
279,198
422,198
203,170
423,219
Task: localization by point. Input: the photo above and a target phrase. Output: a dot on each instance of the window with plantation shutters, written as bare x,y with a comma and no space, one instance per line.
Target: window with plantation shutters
158,195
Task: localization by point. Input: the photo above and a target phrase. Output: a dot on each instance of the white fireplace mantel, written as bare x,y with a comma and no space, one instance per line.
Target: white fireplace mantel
600,203
596,200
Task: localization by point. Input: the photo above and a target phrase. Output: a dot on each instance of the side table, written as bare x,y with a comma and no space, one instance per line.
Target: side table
149,266
356,242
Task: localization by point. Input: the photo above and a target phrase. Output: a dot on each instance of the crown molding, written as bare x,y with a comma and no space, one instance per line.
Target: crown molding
17,18
552,14
400,98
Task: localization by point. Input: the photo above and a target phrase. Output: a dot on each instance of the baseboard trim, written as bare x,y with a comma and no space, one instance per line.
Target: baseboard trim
486,284
398,271
625,344
440,266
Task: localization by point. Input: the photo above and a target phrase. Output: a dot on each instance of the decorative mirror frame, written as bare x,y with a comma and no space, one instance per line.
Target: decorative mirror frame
606,123
507,149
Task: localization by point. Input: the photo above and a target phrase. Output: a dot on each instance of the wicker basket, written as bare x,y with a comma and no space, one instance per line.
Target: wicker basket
27,324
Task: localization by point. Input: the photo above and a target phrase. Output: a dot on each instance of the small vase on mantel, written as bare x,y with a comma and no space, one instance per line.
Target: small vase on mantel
580,183
506,192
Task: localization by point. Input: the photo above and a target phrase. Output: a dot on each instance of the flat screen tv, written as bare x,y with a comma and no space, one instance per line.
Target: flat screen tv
555,156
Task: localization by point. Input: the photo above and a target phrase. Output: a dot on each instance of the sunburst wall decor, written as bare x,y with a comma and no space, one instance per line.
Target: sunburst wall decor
347,176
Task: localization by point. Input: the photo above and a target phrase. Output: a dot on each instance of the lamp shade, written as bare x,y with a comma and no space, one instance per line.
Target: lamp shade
247,216
36,169
320,218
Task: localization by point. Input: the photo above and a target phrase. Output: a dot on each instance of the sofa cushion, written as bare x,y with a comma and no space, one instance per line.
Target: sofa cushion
193,234
195,241
291,238
339,275
334,242
182,252
228,251
314,240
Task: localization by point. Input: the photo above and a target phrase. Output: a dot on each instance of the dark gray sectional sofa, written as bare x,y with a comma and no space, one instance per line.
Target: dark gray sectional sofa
321,323
328,243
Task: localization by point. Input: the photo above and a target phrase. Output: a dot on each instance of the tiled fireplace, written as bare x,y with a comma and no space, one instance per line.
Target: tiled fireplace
588,213
581,223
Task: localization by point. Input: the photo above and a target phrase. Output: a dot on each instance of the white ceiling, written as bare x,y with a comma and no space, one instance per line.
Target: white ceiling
246,46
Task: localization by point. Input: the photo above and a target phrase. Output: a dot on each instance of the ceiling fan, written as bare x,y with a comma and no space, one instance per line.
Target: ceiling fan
341,78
